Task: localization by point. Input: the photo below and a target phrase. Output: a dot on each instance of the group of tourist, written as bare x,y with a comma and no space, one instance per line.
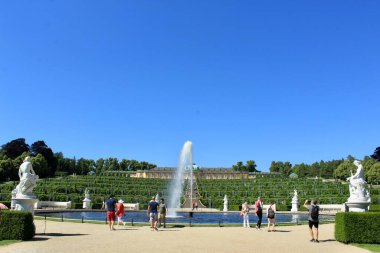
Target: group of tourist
259,213
156,212
114,209
313,217
155,209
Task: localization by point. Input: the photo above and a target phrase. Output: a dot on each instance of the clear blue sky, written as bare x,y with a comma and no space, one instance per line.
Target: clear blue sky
277,80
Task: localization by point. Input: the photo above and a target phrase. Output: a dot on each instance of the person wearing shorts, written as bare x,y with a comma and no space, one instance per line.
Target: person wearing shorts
153,213
313,221
163,211
271,215
111,208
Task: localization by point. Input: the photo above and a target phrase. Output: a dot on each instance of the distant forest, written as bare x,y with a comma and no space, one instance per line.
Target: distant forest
46,163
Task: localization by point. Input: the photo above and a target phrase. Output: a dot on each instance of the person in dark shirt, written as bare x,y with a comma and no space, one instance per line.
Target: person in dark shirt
152,212
111,208
313,218
163,210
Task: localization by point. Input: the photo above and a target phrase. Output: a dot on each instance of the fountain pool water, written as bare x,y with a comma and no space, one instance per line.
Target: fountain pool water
184,218
175,190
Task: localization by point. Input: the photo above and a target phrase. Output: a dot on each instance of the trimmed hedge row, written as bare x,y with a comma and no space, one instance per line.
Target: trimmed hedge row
357,227
16,225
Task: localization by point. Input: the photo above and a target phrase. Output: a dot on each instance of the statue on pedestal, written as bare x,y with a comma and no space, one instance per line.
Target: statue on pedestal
22,196
87,200
28,179
295,202
358,186
359,199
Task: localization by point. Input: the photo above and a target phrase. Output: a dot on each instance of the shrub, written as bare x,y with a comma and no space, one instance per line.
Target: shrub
16,225
374,208
357,227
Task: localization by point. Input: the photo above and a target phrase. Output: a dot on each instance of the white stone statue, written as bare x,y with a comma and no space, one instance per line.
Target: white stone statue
87,200
86,194
23,197
295,202
358,186
28,179
295,196
225,208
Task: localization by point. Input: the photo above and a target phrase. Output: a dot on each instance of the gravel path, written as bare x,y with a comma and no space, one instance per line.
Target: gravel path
96,238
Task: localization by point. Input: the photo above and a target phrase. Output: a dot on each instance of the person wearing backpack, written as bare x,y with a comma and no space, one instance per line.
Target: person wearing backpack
271,213
313,218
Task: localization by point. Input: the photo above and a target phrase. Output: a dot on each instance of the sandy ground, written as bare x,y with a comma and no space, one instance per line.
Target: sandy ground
93,238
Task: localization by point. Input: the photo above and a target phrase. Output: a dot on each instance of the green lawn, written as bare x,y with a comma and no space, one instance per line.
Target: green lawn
371,247
6,242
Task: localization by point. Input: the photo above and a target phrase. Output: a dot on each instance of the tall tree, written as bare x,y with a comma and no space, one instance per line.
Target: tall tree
373,175
344,170
15,148
251,166
239,166
40,147
376,154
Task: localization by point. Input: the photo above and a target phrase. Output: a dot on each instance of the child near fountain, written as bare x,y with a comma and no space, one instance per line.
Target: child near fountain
244,213
120,212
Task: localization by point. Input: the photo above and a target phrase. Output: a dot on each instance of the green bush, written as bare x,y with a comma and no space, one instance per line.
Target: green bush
280,207
16,225
374,208
357,227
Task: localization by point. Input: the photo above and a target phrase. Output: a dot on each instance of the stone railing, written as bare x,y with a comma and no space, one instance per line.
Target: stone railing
52,205
332,208
265,208
131,206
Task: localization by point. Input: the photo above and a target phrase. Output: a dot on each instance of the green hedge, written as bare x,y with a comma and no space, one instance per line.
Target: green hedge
374,208
357,227
16,225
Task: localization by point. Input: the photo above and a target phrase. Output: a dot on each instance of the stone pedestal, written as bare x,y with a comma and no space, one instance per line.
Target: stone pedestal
358,206
87,203
24,204
295,205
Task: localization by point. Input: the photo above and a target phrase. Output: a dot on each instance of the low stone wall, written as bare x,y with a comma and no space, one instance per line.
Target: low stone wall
265,208
332,208
52,205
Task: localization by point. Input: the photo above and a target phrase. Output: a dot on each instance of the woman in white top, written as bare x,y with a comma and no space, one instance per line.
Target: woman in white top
244,212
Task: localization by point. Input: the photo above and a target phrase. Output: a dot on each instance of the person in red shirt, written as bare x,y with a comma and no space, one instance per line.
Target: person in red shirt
120,212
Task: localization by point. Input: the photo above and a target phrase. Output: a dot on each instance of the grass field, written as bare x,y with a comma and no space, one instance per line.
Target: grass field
371,247
7,242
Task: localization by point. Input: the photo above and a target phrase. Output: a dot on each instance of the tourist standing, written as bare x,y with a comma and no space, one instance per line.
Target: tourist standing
111,208
259,212
163,211
120,212
271,213
313,218
244,212
153,213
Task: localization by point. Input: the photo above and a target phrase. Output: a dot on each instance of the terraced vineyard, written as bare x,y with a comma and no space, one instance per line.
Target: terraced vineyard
279,190
132,190
138,190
